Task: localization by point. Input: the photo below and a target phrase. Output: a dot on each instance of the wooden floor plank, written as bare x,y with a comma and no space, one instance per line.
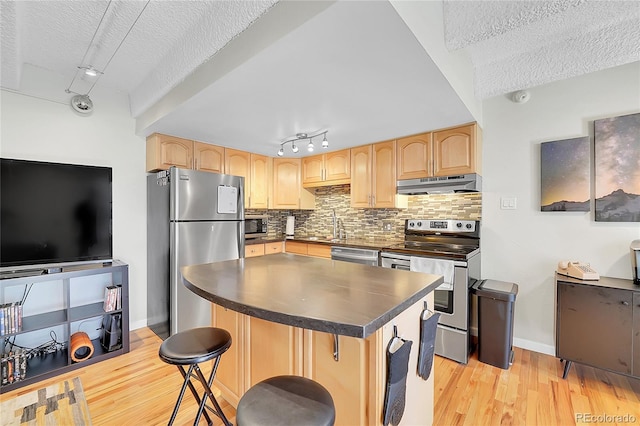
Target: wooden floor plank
536,393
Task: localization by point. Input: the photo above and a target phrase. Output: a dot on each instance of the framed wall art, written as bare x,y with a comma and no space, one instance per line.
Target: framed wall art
617,169
564,175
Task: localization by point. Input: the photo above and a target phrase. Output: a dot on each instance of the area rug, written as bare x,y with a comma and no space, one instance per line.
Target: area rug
59,404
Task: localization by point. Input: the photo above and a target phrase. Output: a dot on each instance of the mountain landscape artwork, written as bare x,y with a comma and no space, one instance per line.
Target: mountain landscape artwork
564,175
617,168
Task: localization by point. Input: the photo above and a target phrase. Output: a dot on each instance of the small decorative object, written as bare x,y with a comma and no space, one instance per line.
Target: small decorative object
81,346
617,168
564,175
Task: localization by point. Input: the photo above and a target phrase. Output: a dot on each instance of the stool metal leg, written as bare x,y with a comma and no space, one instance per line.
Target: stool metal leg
208,392
187,382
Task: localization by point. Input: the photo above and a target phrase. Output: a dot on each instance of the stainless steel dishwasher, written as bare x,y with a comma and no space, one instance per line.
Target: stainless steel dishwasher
355,255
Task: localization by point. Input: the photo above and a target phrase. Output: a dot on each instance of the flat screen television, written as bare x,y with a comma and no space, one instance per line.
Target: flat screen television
53,215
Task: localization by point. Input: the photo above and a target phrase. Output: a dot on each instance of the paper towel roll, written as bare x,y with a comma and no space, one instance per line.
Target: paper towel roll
290,225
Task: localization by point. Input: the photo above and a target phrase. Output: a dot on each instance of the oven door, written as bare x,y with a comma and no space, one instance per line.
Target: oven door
452,302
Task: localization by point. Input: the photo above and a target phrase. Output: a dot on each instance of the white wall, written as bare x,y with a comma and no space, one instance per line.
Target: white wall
426,20
524,245
39,124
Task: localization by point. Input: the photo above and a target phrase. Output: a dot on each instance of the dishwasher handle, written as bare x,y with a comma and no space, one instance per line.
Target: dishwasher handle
338,253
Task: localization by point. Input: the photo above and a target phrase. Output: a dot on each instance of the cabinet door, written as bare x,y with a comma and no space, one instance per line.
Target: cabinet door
361,176
286,183
319,250
259,182
253,250
237,163
296,247
312,169
414,159
454,151
384,175
337,166
273,349
591,317
345,379
636,334
229,377
208,158
164,151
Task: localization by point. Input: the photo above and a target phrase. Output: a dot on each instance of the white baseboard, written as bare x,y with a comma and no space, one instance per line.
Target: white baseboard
534,346
137,324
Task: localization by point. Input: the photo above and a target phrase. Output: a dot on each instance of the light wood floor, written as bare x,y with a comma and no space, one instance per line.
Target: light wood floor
138,388
531,392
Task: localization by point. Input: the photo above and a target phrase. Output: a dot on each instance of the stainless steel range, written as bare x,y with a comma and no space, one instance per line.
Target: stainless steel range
450,248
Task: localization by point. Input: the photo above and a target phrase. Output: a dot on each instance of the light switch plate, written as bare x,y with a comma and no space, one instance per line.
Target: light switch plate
508,203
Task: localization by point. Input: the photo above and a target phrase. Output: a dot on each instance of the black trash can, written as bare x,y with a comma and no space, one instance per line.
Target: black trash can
496,300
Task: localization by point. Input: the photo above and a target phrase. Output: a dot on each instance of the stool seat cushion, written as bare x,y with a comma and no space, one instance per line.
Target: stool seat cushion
195,346
286,400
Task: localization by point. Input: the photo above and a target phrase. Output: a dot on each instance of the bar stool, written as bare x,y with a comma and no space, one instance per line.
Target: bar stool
192,347
286,400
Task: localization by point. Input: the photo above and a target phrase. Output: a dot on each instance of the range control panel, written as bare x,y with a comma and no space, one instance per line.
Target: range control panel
441,225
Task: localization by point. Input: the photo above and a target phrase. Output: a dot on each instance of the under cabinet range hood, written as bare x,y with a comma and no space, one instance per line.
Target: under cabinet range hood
441,185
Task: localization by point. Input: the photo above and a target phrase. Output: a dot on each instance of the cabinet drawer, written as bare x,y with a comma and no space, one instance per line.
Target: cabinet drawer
272,248
254,250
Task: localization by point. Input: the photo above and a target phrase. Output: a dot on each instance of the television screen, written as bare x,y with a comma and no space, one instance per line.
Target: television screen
52,214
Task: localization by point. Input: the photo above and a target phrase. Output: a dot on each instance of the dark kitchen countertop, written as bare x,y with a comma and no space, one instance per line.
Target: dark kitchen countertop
325,295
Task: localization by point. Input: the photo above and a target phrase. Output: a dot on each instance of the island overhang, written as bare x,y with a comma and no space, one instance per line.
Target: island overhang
312,293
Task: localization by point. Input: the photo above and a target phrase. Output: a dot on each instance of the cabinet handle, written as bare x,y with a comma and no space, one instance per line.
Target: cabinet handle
625,303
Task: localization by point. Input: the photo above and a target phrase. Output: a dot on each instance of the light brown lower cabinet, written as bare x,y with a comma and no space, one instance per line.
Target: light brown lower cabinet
309,249
356,380
252,250
230,375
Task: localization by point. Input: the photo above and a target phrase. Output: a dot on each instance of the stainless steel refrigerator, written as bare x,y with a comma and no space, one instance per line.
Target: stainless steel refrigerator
193,217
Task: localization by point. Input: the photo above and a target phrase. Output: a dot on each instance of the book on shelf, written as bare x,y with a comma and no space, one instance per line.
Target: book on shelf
10,318
112,298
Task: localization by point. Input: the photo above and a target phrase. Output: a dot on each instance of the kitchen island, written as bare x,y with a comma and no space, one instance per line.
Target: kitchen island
327,320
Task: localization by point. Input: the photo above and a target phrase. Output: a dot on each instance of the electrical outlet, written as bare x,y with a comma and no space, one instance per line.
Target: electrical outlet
387,225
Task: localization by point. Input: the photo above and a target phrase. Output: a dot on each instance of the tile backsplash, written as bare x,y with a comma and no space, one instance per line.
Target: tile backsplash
368,223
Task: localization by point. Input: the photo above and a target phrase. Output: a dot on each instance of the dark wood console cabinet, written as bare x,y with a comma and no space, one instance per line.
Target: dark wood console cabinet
59,304
598,324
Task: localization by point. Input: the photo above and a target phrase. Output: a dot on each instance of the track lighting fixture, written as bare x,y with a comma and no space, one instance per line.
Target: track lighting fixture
81,102
302,137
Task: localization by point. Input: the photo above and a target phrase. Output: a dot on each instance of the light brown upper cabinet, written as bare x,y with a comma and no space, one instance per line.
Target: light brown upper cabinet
441,153
208,158
287,186
256,172
259,178
414,156
373,177
332,168
457,150
164,151
237,163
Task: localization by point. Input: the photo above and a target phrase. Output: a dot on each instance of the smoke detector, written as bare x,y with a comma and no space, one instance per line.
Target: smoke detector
82,104
520,97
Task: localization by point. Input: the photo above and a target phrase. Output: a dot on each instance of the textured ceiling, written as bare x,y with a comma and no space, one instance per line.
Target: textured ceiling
521,44
353,67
